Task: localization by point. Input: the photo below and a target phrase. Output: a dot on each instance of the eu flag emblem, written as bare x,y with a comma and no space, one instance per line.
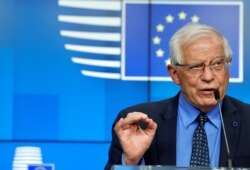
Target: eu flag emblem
149,26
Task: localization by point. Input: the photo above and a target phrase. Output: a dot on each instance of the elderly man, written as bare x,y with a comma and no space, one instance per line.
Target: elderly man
174,131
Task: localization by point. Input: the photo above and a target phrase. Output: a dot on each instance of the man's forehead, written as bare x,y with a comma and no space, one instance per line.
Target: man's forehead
204,58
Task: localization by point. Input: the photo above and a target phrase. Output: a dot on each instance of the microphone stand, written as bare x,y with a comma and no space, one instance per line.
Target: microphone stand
229,161
217,98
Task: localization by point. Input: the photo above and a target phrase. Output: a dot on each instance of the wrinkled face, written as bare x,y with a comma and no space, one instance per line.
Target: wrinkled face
198,85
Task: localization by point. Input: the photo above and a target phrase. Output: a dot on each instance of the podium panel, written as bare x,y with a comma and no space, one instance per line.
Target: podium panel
158,167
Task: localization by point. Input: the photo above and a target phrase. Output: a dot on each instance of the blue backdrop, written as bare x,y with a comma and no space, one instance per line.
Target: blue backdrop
67,106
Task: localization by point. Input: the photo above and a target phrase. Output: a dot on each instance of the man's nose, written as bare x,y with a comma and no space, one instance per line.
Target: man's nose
208,74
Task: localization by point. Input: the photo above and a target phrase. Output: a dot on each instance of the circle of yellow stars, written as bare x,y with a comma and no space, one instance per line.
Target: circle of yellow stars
169,20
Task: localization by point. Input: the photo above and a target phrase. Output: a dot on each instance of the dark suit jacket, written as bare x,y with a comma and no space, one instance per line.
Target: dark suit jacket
236,116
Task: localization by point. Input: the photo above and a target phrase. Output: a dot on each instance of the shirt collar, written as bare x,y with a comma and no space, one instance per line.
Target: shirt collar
188,113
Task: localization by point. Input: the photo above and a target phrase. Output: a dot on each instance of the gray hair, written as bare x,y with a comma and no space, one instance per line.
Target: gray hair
188,34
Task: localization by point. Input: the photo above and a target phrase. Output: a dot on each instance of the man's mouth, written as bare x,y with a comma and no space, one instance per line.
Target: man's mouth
208,91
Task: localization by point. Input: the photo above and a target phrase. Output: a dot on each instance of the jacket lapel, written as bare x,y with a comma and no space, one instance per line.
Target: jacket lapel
232,123
166,133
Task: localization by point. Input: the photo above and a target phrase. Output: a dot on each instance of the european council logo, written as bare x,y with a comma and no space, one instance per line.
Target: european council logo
128,40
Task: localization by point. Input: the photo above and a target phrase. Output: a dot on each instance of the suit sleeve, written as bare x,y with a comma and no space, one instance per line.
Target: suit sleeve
115,150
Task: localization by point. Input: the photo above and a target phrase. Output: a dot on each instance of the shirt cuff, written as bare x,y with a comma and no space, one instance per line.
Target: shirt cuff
142,162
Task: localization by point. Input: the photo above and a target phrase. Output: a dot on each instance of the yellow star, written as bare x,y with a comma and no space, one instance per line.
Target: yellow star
169,19
156,40
160,28
168,61
182,15
195,19
159,53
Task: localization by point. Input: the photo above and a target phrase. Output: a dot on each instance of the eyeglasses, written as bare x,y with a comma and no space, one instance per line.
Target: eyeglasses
197,69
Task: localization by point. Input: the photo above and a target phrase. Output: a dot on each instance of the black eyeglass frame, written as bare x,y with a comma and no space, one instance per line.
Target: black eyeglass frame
215,65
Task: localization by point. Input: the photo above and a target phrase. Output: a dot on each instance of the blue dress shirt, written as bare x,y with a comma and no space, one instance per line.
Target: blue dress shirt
186,125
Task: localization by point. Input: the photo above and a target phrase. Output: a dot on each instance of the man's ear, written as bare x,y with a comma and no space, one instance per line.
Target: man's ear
173,73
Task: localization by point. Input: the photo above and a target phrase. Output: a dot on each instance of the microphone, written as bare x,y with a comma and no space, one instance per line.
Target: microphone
217,98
